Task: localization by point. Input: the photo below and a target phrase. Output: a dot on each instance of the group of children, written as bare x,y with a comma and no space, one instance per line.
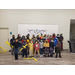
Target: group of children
43,45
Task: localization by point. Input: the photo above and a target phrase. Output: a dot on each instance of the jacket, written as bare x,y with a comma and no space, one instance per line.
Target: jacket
46,44
41,44
36,46
30,45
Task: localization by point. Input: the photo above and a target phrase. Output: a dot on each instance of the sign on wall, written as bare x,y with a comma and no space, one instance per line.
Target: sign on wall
35,29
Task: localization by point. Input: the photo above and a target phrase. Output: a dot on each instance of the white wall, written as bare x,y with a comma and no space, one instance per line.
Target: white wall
11,18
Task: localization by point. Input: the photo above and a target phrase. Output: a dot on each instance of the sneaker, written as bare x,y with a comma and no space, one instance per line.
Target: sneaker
56,56
60,56
40,56
44,55
35,56
48,55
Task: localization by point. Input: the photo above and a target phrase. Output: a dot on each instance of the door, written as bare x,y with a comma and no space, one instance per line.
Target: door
4,36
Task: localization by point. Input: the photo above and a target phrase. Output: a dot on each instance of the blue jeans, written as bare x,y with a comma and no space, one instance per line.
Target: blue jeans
16,51
51,50
41,51
24,53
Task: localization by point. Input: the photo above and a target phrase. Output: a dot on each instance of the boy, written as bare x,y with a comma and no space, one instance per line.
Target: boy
41,48
30,45
12,41
16,45
20,46
51,47
58,50
25,50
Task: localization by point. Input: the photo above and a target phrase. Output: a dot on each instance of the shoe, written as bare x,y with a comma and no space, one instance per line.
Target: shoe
56,56
60,56
35,56
48,55
44,55
22,57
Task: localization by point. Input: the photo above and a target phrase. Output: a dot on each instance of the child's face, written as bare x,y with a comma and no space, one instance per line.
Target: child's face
16,40
51,40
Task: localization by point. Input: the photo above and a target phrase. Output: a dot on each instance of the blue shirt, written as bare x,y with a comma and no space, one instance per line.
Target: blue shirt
55,41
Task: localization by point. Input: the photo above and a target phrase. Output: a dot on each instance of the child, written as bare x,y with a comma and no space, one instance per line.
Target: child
58,46
16,45
23,44
46,48
20,46
36,46
25,50
51,47
23,39
30,45
41,48
50,36
55,43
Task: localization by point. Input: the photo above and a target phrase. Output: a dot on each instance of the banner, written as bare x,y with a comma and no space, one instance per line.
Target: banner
37,31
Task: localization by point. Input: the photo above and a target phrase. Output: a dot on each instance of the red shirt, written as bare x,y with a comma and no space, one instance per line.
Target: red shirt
23,40
53,36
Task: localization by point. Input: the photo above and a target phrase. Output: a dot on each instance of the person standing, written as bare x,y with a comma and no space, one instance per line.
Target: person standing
16,45
41,48
30,45
61,40
58,46
36,46
12,41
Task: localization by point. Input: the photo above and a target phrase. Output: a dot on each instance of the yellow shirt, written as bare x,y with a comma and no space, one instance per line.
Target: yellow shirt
30,45
46,44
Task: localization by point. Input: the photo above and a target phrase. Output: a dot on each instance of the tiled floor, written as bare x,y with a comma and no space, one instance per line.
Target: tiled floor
67,59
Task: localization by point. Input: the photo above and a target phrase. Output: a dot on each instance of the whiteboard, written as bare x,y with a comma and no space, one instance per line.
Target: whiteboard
24,29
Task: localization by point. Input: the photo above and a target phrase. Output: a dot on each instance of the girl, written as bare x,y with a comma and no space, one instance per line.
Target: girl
30,45
36,46
46,48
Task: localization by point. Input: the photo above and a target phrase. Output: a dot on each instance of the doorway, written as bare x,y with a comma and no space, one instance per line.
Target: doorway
4,36
72,30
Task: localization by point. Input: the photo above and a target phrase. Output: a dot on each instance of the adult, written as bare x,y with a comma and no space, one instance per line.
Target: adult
28,36
58,36
12,41
61,40
19,36
53,37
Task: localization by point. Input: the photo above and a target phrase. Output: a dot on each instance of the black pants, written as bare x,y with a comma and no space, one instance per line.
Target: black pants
16,56
58,50
24,53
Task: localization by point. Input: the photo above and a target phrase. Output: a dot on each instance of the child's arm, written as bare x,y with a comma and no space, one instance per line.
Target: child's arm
58,45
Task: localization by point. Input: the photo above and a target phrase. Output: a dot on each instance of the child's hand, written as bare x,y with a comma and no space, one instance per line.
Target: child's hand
27,50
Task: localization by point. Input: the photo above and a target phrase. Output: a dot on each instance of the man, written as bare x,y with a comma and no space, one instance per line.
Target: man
12,41
61,40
